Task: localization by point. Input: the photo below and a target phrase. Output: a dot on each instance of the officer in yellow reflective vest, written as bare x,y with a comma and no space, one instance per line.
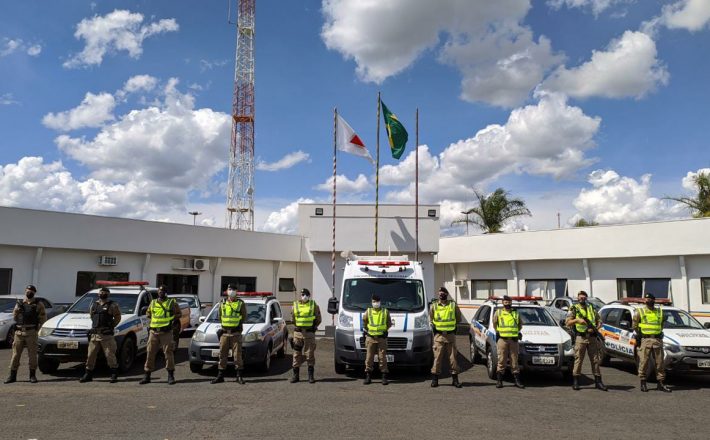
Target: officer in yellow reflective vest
585,341
161,312
444,315
306,317
232,314
507,324
376,321
648,323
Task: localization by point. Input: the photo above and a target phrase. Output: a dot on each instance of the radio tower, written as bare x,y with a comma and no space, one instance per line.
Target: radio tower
240,190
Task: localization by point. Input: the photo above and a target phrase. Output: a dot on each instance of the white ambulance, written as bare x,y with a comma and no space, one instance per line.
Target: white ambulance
400,285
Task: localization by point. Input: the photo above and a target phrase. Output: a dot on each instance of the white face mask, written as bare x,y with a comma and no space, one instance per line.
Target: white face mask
305,297
232,293
376,304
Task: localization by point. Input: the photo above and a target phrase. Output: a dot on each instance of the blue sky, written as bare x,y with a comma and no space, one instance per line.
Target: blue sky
573,102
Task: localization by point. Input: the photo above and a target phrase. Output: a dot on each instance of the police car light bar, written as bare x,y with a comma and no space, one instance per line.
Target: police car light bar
634,300
251,293
122,283
383,263
516,298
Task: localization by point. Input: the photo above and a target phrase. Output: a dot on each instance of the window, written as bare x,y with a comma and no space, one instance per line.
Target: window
612,318
482,289
636,287
244,284
274,312
706,290
287,285
485,316
626,319
179,283
547,289
5,281
86,281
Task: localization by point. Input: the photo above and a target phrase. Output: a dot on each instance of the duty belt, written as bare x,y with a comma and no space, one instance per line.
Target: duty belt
509,338
231,331
650,336
26,327
301,329
440,332
167,328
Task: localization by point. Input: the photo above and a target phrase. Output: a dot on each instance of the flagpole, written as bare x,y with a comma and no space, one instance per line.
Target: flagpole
377,175
335,170
416,190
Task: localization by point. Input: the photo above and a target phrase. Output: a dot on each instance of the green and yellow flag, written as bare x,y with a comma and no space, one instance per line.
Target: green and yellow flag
395,132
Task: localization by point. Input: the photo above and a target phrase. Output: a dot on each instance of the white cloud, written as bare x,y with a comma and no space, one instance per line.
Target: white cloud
629,67
404,172
140,83
119,30
93,111
285,220
7,99
498,57
691,15
689,179
34,50
33,184
212,64
288,161
596,6
9,46
345,185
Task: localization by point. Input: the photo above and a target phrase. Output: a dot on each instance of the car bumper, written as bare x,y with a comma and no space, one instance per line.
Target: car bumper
47,347
349,353
202,353
685,363
525,362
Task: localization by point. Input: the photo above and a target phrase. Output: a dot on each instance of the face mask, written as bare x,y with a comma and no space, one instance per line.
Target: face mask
103,295
161,294
507,306
30,295
376,304
232,293
442,296
304,297
582,299
650,304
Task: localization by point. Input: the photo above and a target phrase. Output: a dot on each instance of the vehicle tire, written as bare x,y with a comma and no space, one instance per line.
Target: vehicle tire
490,364
567,372
195,367
10,338
606,361
475,355
127,354
266,363
340,368
47,365
282,351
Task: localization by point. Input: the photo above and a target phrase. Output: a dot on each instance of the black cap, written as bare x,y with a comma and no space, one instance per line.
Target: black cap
443,289
231,286
31,287
506,298
375,297
582,292
306,291
649,296
104,289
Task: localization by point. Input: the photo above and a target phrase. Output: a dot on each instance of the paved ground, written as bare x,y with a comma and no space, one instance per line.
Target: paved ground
341,407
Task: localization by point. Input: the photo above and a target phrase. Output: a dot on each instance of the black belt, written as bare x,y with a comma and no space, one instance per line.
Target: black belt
165,329
440,332
650,336
301,330
231,332
512,338
26,327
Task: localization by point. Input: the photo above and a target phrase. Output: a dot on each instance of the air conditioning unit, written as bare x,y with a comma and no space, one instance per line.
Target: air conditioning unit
108,260
183,264
201,264
459,283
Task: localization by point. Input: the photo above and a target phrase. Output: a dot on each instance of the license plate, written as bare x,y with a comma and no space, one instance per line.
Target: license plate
215,353
704,363
390,358
543,360
68,345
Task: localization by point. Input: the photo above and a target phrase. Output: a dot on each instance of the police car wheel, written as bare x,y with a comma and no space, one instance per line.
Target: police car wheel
195,367
606,361
127,354
490,364
282,351
10,338
340,368
47,366
266,363
475,356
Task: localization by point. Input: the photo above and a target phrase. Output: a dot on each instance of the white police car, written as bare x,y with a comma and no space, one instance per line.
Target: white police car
264,334
545,345
686,342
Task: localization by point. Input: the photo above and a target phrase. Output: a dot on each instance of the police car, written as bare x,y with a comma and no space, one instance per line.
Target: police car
686,342
264,334
64,338
545,345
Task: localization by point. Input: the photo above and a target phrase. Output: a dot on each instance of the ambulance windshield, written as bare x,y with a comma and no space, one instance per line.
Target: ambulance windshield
397,295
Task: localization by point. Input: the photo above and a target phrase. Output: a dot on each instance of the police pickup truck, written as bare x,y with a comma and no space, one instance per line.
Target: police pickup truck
64,338
545,345
686,342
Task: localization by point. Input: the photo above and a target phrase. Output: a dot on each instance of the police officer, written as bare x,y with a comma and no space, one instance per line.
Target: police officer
232,314
306,316
29,316
376,321
507,325
105,316
648,323
585,341
161,312
444,315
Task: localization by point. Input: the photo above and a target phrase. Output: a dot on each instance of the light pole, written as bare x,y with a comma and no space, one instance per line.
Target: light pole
194,215
466,214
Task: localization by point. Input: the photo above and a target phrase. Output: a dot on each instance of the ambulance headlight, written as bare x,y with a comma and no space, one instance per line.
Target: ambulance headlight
45,331
672,348
199,336
421,321
345,320
252,337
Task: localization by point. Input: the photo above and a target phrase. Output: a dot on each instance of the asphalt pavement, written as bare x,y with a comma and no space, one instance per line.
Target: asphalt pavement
339,406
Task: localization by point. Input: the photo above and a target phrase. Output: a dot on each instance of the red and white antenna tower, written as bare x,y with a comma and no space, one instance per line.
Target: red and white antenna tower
240,189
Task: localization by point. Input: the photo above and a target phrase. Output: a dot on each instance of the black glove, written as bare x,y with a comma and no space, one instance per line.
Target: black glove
220,332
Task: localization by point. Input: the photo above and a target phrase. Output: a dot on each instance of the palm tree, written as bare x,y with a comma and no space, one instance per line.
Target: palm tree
581,223
493,211
700,204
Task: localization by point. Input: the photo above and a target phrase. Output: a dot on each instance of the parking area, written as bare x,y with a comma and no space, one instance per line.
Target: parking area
59,407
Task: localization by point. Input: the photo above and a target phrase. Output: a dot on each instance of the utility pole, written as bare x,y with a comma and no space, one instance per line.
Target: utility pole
194,215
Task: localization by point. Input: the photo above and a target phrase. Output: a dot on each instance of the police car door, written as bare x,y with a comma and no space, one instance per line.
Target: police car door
143,304
277,324
482,323
626,334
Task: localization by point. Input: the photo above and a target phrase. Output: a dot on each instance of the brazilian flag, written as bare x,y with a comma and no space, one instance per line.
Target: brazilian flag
395,132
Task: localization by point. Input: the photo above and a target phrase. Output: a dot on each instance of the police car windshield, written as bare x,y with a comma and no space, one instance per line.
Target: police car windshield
680,319
595,302
256,314
534,316
126,303
7,304
189,300
397,295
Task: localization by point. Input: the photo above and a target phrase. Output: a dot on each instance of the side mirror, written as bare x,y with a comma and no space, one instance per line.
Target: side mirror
143,310
276,319
565,308
707,325
333,306
203,306
202,319
626,325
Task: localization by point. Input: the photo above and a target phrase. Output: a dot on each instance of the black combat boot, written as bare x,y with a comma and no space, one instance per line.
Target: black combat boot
575,383
114,375
12,377
146,378
311,379
239,379
368,379
455,381
296,375
33,376
599,384
499,380
434,380
644,388
87,377
662,387
219,378
518,383
171,377
384,379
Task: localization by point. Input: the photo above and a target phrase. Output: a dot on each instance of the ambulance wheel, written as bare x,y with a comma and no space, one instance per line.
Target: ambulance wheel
127,354
195,367
47,365
340,368
490,364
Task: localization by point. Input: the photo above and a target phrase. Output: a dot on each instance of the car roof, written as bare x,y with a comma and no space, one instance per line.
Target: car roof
515,304
12,296
635,306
